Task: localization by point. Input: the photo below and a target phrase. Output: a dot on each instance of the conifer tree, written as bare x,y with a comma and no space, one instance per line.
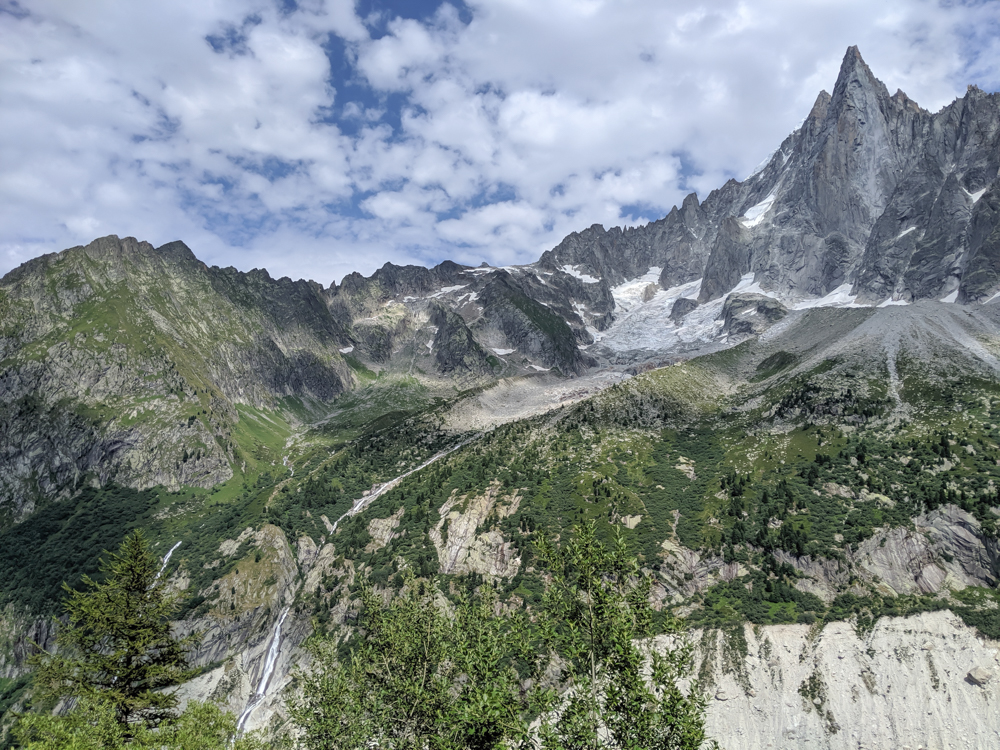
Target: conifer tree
117,647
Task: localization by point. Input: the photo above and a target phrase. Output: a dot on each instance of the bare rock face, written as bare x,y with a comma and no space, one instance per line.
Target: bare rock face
464,546
455,348
871,191
922,681
750,314
681,308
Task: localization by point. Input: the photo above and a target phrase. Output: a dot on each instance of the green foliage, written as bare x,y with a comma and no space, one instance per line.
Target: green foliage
417,678
414,677
980,609
758,598
595,607
117,647
93,725
64,540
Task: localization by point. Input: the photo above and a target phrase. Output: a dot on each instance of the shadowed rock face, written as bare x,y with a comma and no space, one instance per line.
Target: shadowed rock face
455,348
750,314
529,326
681,308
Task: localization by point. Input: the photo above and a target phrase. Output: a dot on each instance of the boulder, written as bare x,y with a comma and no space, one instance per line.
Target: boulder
978,676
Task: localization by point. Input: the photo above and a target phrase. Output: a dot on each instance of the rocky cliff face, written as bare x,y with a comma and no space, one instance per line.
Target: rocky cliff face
925,681
126,362
871,191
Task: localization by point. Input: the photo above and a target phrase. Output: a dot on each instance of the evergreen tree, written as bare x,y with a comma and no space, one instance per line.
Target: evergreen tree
117,648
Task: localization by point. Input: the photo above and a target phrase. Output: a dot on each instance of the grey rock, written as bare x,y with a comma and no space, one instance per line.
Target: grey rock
681,308
728,262
750,314
979,676
455,348
530,327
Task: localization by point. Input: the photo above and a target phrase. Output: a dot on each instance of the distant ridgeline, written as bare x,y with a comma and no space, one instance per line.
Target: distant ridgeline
786,397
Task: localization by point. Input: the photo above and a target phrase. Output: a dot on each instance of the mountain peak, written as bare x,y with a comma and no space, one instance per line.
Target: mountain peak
854,68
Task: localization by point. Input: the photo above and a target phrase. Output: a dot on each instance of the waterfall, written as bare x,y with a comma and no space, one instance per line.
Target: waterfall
366,500
166,559
272,656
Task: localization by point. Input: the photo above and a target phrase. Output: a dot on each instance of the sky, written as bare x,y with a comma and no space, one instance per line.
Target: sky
318,137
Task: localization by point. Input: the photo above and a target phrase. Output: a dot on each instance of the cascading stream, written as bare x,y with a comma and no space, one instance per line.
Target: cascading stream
272,657
362,502
166,559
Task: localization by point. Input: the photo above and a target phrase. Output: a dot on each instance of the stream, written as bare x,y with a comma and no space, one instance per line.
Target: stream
166,559
365,500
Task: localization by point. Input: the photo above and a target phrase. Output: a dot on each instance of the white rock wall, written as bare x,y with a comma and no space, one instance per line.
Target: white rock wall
903,685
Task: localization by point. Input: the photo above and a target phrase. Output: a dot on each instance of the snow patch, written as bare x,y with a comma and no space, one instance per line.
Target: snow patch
904,233
430,344
647,325
504,352
447,290
346,350
891,302
540,369
575,272
755,214
976,195
951,298
763,165
839,297
629,294
747,285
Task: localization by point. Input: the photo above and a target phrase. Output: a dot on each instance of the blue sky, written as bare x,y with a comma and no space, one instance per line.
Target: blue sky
318,137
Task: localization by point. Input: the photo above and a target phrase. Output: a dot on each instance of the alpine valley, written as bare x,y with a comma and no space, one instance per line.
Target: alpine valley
787,395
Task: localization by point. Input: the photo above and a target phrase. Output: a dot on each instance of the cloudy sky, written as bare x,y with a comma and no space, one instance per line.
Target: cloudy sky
322,136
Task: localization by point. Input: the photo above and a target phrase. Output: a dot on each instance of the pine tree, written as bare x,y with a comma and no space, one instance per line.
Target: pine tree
117,648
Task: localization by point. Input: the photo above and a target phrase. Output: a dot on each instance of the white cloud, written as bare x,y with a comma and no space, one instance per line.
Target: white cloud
483,140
